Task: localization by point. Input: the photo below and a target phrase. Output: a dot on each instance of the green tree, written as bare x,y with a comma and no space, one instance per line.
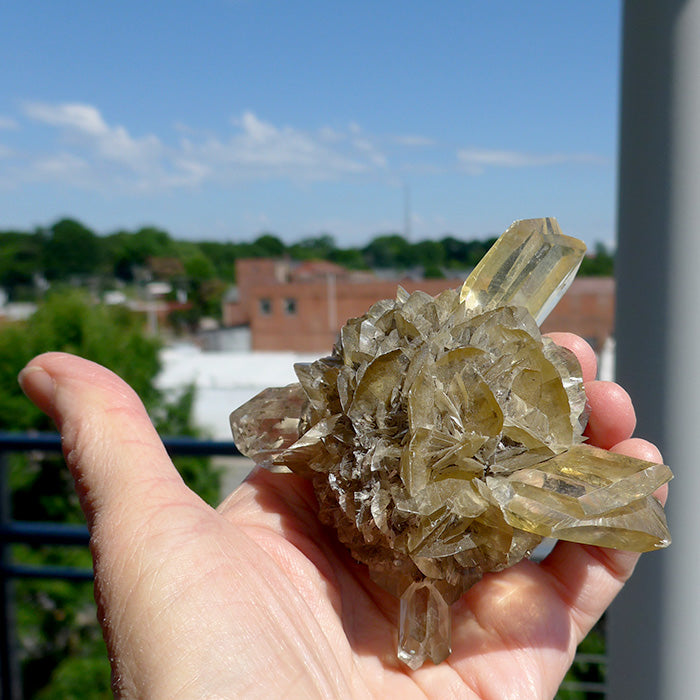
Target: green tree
600,264
61,642
69,322
390,250
477,250
429,254
267,246
456,251
351,258
314,248
199,267
223,255
71,249
20,261
464,254
126,251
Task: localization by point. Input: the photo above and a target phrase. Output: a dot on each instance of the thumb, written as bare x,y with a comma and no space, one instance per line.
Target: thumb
120,467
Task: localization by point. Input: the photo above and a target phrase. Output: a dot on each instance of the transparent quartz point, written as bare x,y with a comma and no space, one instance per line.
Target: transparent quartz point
269,423
532,264
425,626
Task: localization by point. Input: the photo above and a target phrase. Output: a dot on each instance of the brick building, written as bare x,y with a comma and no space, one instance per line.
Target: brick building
301,307
587,309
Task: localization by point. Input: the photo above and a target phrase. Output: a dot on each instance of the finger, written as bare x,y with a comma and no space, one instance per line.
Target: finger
587,578
118,462
612,417
643,449
582,350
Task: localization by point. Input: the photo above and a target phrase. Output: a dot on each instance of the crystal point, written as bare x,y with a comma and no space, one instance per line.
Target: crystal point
532,264
444,437
425,625
591,496
267,424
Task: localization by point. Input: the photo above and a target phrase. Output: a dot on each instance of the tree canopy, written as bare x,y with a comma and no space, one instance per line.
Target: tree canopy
70,252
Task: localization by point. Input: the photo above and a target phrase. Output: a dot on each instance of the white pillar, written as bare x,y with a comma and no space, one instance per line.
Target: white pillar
654,626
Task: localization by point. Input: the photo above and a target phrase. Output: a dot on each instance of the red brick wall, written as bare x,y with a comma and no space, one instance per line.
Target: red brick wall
251,272
323,303
322,308
587,309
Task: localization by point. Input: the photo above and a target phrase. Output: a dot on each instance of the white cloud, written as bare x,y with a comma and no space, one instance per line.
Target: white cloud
366,146
83,125
330,135
476,160
254,149
258,150
257,130
191,172
86,150
261,149
72,115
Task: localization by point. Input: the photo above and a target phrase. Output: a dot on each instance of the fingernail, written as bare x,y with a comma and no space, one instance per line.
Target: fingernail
39,387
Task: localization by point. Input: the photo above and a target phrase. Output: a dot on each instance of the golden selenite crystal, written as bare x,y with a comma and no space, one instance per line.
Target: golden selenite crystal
444,437
532,264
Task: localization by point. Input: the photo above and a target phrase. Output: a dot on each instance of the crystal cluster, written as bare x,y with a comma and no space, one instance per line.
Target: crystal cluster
443,437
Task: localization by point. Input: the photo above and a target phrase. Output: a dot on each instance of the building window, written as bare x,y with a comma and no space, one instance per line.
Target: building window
265,307
290,307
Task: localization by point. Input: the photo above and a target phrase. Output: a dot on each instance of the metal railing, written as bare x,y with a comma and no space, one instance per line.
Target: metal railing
33,533
45,533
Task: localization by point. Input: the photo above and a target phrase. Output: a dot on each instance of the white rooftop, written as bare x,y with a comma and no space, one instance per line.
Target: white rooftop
224,380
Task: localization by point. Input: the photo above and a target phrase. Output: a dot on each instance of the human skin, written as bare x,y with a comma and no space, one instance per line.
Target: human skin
256,599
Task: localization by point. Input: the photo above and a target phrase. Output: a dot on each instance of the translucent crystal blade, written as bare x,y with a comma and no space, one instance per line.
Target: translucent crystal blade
588,495
269,423
425,626
532,264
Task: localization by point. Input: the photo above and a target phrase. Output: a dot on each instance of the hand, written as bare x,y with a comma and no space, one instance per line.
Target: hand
257,599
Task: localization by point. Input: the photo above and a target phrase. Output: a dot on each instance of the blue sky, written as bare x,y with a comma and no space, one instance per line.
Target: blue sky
224,118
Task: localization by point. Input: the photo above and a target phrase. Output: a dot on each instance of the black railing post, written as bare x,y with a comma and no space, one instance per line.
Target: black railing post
9,668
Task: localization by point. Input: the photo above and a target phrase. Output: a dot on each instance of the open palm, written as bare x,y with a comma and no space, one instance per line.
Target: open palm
257,598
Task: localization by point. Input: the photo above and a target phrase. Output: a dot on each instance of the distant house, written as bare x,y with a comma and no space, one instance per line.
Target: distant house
301,307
